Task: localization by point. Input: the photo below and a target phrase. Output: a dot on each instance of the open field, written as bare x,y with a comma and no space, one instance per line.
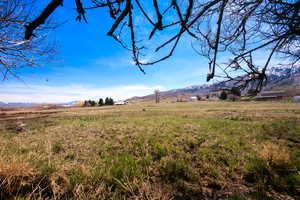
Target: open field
199,150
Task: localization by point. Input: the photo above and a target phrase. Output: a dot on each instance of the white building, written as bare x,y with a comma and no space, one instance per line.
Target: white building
193,99
121,103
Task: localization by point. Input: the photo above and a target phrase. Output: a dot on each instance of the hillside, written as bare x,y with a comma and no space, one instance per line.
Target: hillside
278,78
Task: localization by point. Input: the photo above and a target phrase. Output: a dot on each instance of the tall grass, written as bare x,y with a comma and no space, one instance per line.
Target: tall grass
207,150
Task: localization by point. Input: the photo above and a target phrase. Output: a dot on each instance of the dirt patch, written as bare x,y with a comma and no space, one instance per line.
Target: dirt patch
13,127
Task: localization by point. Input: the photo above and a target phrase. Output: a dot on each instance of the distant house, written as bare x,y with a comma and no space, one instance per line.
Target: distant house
193,99
121,103
272,95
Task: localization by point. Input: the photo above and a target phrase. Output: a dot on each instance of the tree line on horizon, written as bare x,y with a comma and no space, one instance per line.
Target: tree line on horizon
108,101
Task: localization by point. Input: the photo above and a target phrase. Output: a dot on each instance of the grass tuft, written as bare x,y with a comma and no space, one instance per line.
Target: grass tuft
174,169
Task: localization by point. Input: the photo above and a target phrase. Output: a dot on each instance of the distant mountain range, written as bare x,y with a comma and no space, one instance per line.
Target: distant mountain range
2,104
278,78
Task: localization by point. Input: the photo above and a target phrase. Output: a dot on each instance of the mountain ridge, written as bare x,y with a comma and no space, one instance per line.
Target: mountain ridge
278,77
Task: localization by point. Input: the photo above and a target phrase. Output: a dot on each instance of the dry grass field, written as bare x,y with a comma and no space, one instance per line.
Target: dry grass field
199,150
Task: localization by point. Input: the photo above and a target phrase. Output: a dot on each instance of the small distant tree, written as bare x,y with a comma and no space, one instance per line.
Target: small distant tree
198,97
111,101
92,103
100,103
86,103
252,92
207,96
106,101
236,91
223,95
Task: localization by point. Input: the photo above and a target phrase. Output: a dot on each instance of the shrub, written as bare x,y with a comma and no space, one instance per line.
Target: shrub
57,147
235,91
17,177
273,170
275,155
158,151
92,103
89,103
223,95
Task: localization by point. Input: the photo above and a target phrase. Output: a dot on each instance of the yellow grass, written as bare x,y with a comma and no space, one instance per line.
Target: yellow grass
234,150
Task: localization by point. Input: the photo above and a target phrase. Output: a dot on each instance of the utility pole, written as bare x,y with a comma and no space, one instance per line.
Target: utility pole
157,96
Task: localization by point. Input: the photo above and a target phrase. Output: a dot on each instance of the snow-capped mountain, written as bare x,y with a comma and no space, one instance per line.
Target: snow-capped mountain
283,76
278,77
283,70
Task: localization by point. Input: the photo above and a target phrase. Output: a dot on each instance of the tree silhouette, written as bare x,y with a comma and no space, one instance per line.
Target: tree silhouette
15,52
100,103
111,101
107,101
223,95
235,91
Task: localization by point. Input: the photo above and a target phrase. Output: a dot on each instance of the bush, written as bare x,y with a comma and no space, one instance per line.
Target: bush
92,103
89,103
223,95
273,170
235,91
57,147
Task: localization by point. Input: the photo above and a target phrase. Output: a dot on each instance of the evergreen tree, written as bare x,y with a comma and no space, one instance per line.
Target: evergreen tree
106,101
100,103
92,103
236,91
111,101
223,95
86,103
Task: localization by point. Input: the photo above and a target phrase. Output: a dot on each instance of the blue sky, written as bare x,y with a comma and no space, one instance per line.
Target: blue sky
90,65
